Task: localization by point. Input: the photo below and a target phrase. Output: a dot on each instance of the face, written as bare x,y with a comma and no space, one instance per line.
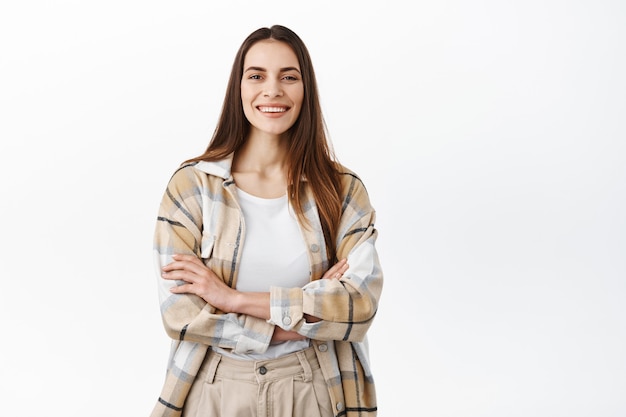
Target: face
271,88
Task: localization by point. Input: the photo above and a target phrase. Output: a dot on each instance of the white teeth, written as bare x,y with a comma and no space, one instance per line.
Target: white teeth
272,109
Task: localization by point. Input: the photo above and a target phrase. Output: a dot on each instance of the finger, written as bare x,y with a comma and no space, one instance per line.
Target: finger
336,270
187,258
183,289
185,265
342,266
181,275
178,260
179,266
342,269
331,271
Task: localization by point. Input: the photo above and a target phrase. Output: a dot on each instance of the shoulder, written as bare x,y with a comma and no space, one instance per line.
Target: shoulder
203,171
186,173
352,188
350,180
188,179
347,172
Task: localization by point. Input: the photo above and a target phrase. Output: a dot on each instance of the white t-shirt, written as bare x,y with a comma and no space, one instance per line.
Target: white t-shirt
273,254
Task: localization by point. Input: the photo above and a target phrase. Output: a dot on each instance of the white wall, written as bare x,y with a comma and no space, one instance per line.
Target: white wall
489,133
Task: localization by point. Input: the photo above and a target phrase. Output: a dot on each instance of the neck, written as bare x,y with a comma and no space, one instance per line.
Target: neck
265,154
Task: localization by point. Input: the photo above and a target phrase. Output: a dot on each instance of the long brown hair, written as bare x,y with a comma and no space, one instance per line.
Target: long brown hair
309,155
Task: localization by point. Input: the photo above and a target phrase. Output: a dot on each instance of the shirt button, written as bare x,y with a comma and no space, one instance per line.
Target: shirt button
286,321
315,248
262,370
339,406
322,347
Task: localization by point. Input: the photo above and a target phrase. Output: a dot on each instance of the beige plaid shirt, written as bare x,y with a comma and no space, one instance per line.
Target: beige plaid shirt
199,214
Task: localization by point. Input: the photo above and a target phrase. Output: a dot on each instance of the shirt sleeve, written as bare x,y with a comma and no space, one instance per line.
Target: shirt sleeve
179,230
346,306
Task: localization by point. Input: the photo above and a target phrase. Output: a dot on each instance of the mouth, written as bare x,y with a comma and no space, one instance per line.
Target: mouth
272,109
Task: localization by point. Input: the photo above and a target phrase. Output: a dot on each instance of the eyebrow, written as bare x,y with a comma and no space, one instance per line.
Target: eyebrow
261,69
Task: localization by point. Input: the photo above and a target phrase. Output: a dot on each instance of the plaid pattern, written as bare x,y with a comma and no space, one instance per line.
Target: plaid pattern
199,214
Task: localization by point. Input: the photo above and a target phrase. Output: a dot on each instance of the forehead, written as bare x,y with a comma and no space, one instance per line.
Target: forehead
270,54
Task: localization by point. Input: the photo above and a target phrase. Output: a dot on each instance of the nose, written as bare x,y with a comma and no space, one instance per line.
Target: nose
272,89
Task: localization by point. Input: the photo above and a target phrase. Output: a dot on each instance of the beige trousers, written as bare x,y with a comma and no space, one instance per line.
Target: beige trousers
290,386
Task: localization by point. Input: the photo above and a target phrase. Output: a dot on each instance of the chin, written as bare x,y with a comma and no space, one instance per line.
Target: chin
276,131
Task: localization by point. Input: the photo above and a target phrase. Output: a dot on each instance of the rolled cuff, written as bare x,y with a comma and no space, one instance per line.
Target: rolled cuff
285,307
256,336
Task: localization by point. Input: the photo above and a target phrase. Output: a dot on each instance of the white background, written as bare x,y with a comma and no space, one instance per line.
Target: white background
490,135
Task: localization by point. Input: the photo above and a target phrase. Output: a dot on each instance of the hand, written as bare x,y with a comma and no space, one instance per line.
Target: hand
199,280
337,270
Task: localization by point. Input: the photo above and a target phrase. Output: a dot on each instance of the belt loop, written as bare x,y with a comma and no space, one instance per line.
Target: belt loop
308,373
214,360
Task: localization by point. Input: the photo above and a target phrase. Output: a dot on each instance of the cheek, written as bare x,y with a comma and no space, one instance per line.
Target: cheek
300,96
246,102
245,97
298,99
247,92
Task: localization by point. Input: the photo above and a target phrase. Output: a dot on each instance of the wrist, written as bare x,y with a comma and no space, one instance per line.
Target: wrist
234,301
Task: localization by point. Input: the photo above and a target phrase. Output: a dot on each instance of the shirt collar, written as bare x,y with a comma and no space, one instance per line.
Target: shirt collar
220,168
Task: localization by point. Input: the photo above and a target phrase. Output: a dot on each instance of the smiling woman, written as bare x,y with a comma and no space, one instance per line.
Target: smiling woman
269,277
271,94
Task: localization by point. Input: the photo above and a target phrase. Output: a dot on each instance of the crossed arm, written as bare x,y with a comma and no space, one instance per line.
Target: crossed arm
203,282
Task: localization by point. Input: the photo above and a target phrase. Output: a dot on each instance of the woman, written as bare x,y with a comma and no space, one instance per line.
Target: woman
269,278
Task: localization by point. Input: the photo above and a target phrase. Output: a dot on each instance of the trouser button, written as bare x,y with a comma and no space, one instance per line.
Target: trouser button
262,370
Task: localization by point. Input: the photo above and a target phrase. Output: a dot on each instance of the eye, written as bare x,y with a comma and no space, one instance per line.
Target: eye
254,77
290,78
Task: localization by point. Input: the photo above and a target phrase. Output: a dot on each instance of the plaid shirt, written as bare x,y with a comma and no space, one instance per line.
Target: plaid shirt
199,214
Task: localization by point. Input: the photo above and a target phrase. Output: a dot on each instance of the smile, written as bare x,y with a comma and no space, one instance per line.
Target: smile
266,109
